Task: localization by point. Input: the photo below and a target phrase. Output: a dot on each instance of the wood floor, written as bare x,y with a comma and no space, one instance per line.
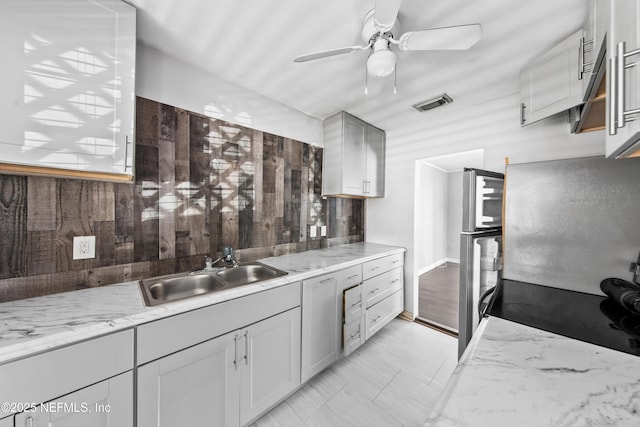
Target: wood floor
439,291
394,379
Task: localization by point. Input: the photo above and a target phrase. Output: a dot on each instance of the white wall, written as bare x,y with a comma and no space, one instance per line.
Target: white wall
430,216
164,79
454,215
494,126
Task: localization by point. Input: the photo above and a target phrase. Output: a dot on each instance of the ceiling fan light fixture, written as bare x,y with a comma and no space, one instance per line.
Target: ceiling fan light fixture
382,61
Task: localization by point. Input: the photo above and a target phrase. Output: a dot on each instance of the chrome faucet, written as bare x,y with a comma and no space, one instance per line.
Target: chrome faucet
227,256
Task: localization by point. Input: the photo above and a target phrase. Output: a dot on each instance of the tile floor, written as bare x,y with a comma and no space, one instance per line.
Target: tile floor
394,379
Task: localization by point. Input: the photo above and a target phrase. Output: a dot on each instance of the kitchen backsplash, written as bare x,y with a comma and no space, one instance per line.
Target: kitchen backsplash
200,183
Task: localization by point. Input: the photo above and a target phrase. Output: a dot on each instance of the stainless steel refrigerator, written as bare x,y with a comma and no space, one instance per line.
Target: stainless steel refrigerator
480,246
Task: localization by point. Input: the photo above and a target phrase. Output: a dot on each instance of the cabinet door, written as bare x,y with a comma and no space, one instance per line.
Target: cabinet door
195,386
623,84
67,83
375,152
108,403
271,365
319,324
353,164
593,49
550,84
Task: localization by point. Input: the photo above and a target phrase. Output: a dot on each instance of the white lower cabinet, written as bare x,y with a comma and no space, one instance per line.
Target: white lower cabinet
87,384
196,386
226,381
272,364
319,324
108,403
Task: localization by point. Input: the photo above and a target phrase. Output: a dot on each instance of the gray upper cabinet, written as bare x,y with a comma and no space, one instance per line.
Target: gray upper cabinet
354,157
623,79
551,83
67,84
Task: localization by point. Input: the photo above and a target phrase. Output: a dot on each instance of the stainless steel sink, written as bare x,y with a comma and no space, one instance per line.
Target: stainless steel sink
248,273
171,288
159,290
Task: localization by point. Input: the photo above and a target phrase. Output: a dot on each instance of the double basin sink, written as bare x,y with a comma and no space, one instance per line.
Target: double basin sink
159,290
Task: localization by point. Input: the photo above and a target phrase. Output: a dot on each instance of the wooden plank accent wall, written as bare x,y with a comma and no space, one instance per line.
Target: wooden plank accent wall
200,184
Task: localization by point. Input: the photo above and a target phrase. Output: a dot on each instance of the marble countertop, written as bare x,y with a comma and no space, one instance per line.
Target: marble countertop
34,325
516,375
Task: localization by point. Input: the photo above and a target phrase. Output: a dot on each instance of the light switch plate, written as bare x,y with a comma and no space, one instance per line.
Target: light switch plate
323,230
84,247
312,231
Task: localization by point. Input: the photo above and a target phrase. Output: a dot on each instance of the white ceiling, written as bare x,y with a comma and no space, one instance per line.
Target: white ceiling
253,43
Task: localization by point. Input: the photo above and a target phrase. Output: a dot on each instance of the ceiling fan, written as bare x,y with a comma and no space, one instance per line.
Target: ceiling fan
379,32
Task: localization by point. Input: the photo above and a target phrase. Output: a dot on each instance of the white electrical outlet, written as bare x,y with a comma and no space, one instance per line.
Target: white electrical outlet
84,247
323,230
313,231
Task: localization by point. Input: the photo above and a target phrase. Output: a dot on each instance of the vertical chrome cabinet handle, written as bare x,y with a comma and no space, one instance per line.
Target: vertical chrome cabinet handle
581,58
613,128
246,347
29,422
126,152
235,356
620,85
522,119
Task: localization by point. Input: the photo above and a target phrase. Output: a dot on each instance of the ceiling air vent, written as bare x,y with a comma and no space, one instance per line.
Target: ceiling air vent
433,103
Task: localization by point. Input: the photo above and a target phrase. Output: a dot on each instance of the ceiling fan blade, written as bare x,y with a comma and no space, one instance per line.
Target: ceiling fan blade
449,38
386,12
326,53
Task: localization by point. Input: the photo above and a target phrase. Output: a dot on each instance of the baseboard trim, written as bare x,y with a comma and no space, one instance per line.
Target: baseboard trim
436,326
437,264
407,315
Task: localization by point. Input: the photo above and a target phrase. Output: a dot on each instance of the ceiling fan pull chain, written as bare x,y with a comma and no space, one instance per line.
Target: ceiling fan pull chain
366,82
395,80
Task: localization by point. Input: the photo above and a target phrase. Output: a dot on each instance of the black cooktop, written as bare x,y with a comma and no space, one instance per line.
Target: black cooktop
586,317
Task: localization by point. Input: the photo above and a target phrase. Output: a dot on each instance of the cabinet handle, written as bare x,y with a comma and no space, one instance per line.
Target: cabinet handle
581,58
522,119
28,422
327,280
582,66
126,152
395,281
395,261
621,66
375,319
354,336
374,268
620,82
235,357
613,128
374,291
355,304
246,348
353,277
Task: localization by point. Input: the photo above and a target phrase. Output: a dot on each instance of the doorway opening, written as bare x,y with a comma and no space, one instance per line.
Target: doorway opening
438,224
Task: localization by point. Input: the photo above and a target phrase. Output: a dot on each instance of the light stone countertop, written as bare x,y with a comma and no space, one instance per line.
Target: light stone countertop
516,375
34,325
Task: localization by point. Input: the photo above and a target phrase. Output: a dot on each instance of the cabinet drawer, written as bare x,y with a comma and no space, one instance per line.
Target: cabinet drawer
351,276
166,336
381,286
382,313
353,335
352,306
55,373
380,265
